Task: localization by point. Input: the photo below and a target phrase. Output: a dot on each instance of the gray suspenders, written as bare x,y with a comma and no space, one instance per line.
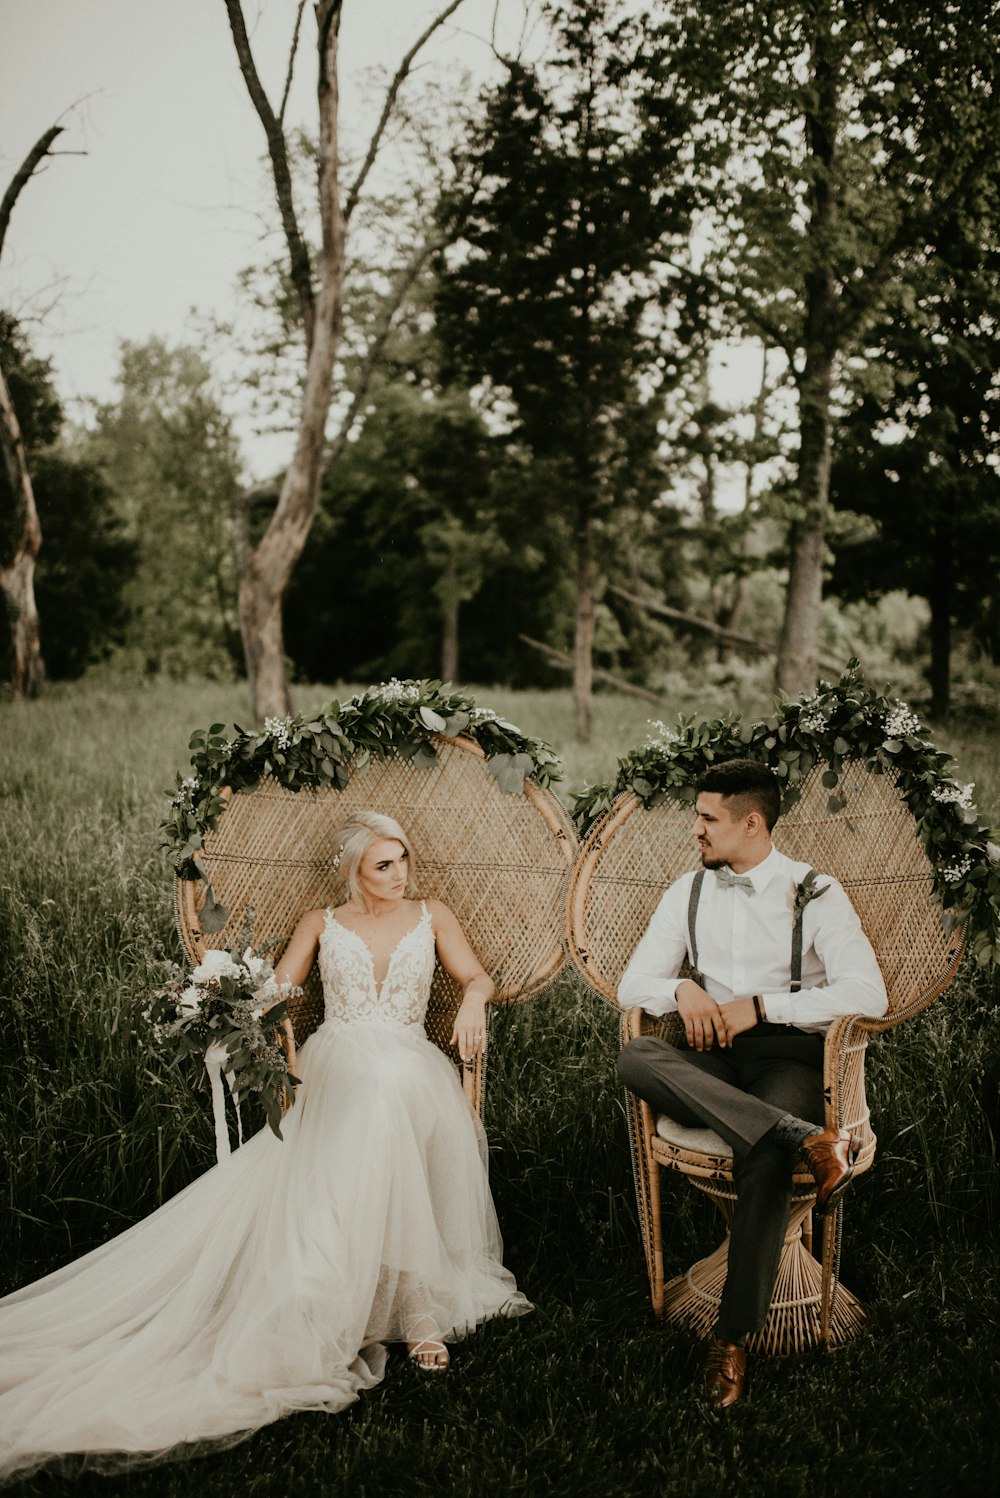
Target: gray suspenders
795,963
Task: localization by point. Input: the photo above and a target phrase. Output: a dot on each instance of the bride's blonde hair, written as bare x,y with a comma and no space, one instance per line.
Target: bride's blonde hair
351,842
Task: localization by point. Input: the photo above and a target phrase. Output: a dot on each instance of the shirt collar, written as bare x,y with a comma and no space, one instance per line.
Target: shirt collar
769,868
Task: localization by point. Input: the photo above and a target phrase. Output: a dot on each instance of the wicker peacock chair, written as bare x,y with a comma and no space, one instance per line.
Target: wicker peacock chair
498,860
625,863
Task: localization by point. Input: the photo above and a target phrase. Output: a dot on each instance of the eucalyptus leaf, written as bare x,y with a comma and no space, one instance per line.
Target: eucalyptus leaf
510,771
432,720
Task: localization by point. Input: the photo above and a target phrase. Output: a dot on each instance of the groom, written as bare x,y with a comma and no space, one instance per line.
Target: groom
777,952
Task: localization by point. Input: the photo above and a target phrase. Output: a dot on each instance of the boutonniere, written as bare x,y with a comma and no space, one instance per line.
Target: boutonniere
803,894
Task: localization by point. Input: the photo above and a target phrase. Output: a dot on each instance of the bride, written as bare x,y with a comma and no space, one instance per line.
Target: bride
272,1282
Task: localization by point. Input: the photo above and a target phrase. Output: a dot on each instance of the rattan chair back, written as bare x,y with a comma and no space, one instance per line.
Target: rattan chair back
500,861
632,854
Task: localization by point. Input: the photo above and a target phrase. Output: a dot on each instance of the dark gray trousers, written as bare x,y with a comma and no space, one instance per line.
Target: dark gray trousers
741,1093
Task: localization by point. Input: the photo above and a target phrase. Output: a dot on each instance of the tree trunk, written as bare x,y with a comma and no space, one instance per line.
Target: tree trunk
798,651
941,600
449,631
583,636
731,617
267,570
17,580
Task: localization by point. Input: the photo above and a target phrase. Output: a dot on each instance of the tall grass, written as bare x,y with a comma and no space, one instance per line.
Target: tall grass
589,1395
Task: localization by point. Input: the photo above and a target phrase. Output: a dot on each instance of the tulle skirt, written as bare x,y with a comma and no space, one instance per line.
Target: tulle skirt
273,1281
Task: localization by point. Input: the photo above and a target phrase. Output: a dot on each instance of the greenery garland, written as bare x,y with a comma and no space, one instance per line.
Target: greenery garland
328,747
846,720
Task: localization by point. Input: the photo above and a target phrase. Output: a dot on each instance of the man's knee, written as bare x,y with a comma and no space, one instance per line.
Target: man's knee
642,1058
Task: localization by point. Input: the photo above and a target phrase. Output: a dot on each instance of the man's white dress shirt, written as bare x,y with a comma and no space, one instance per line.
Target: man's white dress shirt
745,948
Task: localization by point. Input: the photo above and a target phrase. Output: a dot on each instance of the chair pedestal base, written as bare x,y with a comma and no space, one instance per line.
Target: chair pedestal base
793,1321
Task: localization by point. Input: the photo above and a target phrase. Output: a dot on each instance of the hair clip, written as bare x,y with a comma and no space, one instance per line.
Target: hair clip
336,859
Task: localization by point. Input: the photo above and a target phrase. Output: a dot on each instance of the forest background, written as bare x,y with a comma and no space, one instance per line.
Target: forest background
529,473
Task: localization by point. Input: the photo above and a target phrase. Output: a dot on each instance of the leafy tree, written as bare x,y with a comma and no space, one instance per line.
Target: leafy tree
920,453
557,296
834,137
171,461
419,544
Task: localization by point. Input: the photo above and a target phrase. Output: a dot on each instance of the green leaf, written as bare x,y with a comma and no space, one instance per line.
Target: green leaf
829,779
432,720
212,916
841,746
425,757
510,771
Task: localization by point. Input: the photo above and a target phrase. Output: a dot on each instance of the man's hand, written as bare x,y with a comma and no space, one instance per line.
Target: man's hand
738,1016
702,1016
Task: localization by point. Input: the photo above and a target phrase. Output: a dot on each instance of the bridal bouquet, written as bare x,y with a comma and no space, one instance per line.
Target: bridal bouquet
224,1017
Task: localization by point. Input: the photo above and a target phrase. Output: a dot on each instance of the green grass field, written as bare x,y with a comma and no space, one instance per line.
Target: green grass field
589,1395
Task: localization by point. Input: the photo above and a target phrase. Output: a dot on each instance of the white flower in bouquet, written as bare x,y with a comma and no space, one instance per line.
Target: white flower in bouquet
189,1002
214,965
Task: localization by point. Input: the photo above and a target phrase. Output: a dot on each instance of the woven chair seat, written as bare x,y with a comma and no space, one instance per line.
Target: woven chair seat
500,861
628,859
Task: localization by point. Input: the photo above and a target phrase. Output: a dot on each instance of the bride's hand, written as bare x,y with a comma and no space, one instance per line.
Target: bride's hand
469,1032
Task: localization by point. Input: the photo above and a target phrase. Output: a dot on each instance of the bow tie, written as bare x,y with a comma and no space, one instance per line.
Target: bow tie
728,880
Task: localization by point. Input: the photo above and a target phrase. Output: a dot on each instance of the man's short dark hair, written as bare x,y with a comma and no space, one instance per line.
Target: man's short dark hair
751,785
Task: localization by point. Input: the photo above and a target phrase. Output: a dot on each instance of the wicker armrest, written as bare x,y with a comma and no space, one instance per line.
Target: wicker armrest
635,1022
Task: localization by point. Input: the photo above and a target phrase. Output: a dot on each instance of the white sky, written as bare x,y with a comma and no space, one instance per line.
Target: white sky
165,207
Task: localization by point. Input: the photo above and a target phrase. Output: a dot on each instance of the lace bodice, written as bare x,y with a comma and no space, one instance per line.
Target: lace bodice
350,993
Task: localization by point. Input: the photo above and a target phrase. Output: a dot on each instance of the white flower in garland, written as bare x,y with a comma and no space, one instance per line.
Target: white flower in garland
900,722
279,730
950,792
662,737
394,690
186,790
955,871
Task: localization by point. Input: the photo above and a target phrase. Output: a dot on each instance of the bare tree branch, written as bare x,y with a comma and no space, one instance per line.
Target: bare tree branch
404,280
390,99
23,175
298,252
564,662
291,62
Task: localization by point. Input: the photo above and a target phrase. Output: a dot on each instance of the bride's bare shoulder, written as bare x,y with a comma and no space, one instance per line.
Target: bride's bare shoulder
312,923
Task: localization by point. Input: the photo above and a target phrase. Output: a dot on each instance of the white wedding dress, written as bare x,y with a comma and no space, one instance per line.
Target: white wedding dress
272,1282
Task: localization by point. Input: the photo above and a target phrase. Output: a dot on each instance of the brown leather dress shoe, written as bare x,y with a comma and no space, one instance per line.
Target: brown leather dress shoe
725,1373
830,1155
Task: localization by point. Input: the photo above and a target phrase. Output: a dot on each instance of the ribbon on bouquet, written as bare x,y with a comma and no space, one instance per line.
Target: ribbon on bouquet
215,1061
